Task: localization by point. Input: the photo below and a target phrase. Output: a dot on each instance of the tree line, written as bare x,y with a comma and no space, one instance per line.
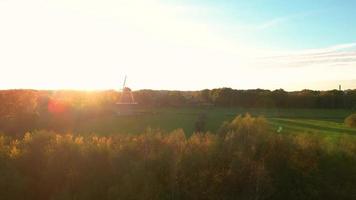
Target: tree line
257,98
281,99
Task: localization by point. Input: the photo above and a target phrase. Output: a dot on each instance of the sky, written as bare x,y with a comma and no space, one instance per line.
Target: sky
177,44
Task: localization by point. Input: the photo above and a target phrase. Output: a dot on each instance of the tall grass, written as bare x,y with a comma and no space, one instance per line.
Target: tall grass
244,160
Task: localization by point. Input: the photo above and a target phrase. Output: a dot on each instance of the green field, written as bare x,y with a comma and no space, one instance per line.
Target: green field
167,119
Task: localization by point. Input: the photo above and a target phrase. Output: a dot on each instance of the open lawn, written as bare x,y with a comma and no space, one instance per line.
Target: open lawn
167,119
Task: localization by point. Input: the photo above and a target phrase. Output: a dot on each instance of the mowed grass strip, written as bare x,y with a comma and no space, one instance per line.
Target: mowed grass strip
311,125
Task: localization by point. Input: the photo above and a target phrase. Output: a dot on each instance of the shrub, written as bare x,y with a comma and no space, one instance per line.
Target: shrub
350,121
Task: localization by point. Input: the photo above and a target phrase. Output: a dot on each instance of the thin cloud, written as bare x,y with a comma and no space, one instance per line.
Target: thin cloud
273,23
338,55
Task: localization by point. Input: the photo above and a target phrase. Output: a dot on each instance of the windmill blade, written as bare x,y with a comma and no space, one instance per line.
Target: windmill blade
124,85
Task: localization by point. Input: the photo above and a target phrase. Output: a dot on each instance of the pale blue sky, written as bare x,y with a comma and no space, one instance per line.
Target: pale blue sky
185,44
294,24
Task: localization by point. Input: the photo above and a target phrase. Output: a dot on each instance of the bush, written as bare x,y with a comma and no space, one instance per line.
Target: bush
350,121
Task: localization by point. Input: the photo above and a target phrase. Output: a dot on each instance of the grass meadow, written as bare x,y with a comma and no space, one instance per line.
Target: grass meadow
288,121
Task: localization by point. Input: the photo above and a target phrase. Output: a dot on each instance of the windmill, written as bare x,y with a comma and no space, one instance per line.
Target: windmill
126,103
126,97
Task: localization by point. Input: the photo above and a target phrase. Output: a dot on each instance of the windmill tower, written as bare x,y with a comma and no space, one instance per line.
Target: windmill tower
126,103
126,97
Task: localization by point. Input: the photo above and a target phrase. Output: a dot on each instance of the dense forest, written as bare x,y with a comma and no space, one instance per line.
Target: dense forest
23,110
244,160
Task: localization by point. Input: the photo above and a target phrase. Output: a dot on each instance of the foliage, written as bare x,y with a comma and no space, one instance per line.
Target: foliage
244,160
351,121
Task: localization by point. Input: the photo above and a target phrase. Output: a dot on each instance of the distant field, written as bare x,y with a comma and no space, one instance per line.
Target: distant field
167,119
